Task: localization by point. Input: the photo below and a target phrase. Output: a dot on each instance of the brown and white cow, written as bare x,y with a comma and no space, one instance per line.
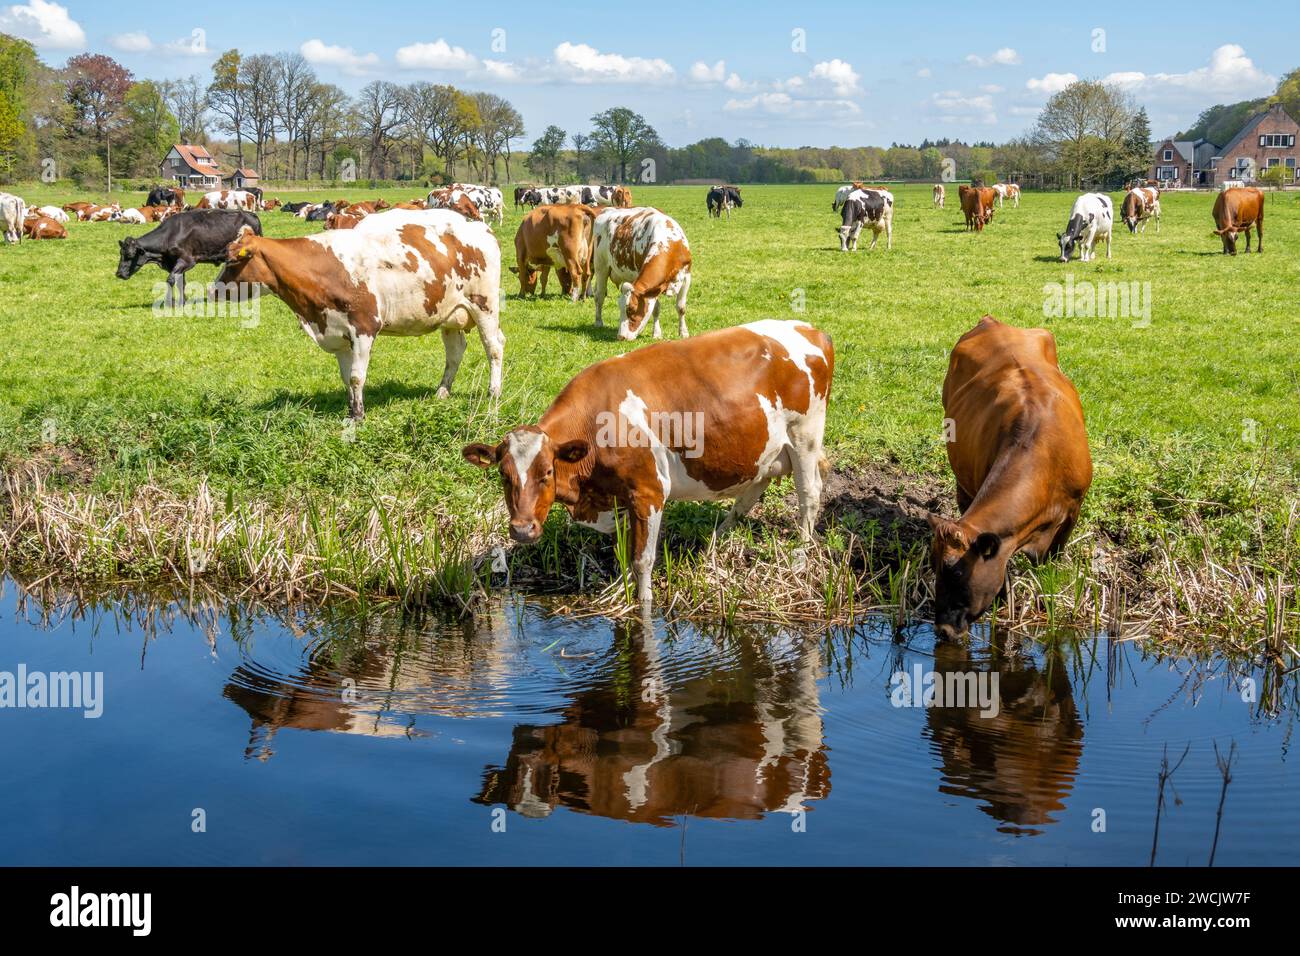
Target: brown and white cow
103,213
938,195
1239,210
556,237
977,205
715,417
79,209
342,220
1019,452
228,199
456,200
1140,204
1013,193
42,227
399,273
647,253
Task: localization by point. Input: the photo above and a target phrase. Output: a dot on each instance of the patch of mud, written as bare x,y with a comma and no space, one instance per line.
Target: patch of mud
897,501
61,464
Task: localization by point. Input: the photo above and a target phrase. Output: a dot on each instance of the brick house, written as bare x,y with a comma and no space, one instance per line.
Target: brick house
190,166
243,176
1184,162
1268,139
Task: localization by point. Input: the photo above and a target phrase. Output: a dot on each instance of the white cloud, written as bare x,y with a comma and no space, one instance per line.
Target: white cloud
789,107
46,24
991,88
196,44
841,76
952,106
1003,57
701,72
500,70
344,57
131,42
581,63
438,55
923,72
1051,83
1229,72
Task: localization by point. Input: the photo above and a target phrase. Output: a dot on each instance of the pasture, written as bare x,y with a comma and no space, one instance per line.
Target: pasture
1191,397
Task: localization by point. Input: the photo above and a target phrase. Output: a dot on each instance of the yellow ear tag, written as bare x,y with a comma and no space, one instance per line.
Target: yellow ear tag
245,252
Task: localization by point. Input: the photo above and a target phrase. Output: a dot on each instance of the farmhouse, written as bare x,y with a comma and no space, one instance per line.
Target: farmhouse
1267,140
1184,162
243,177
190,166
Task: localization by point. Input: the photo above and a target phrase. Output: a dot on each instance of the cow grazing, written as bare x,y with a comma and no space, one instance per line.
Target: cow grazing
558,237
399,273
1140,204
1091,218
755,399
42,227
976,206
1239,210
722,199
486,199
866,207
229,199
1013,193
938,195
165,196
647,253
1019,453
455,200
13,211
182,241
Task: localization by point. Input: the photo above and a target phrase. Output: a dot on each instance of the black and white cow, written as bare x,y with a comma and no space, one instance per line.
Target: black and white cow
722,199
1091,218
182,241
866,207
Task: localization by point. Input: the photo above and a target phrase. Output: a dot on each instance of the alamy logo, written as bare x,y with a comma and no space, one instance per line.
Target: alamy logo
75,690
676,430
959,689
1091,300
74,909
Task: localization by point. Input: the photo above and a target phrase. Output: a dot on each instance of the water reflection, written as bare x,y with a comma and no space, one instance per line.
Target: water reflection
1021,763
735,740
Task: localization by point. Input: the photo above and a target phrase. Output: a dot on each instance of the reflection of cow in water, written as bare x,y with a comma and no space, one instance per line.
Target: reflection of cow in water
738,740
1020,763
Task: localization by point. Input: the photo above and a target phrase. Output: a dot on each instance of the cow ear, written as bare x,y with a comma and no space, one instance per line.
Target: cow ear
514,269
1059,235
481,456
988,544
574,451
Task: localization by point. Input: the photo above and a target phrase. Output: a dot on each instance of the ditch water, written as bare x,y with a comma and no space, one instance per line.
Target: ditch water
233,734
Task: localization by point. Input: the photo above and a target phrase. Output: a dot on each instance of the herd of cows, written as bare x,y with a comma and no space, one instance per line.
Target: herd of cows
757,394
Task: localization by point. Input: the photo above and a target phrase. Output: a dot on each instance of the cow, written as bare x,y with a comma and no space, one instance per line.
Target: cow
487,199
866,207
1140,204
166,196
399,273
647,253
182,241
555,236
1013,193
255,191
342,220
754,396
320,212
104,213
1019,453
228,199
79,209
722,199
1091,218
51,212
12,212
1237,210
294,207
1000,191
455,200
366,208
520,193
136,217
938,195
42,227
976,206
268,204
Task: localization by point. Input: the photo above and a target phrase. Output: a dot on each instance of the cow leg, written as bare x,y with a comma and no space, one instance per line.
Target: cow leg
744,503
354,360
453,340
807,458
601,279
1108,235
681,306
1259,232
1247,231
645,543
658,330
843,232
494,344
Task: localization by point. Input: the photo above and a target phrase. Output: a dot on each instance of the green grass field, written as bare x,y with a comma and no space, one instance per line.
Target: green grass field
1192,415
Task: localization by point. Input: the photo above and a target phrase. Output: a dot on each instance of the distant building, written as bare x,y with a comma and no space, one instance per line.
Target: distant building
243,177
1267,140
1184,162
190,166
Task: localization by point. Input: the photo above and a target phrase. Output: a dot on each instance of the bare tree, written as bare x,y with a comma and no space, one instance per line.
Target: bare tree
188,101
294,86
260,77
379,111
499,123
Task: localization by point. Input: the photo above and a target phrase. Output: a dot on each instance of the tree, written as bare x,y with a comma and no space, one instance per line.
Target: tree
499,123
324,109
294,82
379,111
545,155
619,133
188,101
20,72
259,75
582,147
226,98
1085,124
97,87
150,129
1288,94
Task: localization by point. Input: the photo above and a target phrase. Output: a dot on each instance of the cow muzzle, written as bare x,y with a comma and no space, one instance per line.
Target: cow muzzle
525,532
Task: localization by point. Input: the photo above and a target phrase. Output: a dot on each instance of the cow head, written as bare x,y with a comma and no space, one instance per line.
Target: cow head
131,257
527,459
622,197
527,279
240,256
633,310
1131,211
1073,233
969,572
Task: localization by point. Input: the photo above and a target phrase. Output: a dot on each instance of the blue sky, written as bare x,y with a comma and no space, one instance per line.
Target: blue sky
783,74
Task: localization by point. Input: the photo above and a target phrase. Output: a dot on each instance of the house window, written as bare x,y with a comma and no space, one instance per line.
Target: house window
1169,154
1290,162
1273,161
1277,140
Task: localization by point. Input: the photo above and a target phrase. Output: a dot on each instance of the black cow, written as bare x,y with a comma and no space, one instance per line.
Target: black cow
593,196
863,207
722,199
320,213
256,191
161,196
293,207
182,241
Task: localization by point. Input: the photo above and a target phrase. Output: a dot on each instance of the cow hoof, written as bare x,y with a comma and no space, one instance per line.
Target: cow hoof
443,392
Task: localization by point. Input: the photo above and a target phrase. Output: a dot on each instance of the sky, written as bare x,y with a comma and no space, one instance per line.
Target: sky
777,74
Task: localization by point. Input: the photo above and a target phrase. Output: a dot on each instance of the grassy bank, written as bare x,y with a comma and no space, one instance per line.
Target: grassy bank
156,429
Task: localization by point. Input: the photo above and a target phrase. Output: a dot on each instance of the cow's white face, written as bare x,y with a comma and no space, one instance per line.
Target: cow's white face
633,310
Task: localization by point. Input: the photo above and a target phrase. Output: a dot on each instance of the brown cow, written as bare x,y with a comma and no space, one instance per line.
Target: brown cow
1237,210
713,417
559,237
456,200
42,227
1019,452
622,197
977,205
79,209
342,220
